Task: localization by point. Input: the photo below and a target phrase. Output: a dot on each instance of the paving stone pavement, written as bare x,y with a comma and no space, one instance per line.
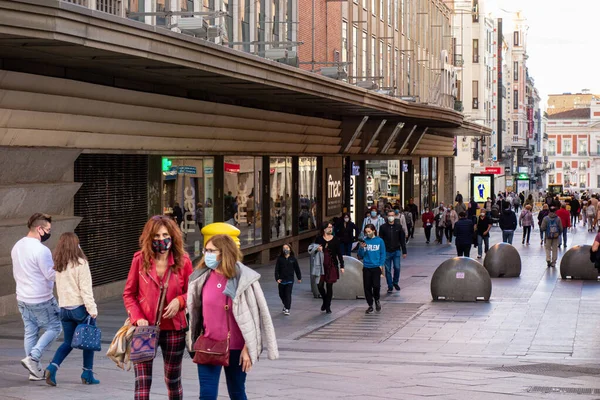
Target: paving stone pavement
536,338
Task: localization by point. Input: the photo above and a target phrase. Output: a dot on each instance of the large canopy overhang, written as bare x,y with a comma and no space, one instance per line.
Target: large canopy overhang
60,39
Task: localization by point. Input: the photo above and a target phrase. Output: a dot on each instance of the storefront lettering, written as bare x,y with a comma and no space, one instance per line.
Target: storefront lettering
188,225
334,191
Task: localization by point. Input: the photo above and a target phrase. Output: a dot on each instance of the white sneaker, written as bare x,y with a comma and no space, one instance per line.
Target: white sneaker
33,367
286,312
478,256
34,378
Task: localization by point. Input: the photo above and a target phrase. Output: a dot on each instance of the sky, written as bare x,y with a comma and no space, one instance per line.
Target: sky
561,42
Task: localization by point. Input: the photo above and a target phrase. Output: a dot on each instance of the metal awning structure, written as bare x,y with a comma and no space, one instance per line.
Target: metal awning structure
59,39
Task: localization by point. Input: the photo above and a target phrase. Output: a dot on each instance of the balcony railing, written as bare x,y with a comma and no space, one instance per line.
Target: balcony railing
114,7
551,153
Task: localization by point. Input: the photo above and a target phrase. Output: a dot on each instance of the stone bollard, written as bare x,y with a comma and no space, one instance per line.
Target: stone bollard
503,261
461,279
576,264
349,286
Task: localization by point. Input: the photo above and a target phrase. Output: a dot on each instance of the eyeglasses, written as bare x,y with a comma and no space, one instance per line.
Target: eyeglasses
210,251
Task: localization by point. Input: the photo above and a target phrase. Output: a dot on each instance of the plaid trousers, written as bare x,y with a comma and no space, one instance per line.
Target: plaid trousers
172,345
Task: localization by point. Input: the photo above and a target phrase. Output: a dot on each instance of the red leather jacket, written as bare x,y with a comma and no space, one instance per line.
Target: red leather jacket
142,292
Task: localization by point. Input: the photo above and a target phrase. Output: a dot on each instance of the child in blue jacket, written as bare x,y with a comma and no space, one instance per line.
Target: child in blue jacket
372,252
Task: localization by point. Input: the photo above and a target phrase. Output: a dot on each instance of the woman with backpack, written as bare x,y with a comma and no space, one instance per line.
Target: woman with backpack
526,221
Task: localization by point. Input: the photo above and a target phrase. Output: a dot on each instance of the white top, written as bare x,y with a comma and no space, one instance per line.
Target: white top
74,287
33,271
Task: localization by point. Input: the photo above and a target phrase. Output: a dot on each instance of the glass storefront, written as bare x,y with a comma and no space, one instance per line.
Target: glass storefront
281,197
307,188
242,197
187,196
425,200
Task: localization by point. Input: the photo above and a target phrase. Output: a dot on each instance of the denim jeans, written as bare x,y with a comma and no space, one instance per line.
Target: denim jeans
209,375
481,240
392,258
507,236
346,249
36,317
562,239
70,319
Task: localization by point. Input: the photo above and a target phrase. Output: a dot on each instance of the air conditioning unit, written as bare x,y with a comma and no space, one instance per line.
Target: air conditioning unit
192,26
335,72
369,85
276,54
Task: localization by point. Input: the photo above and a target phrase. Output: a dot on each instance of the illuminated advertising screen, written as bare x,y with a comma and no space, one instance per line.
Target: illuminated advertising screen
482,187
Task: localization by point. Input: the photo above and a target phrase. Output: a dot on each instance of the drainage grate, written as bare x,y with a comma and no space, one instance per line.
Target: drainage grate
358,326
546,369
562,390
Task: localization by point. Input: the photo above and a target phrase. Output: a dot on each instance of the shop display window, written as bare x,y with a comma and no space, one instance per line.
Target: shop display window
307,188
280,174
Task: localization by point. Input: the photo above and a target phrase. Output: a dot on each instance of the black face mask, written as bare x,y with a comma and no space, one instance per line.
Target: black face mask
45,236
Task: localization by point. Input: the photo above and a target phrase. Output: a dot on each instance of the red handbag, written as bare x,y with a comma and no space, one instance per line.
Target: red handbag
213,352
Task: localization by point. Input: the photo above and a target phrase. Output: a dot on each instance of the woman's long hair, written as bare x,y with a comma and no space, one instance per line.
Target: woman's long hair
67,251
147,236
229,252
282,254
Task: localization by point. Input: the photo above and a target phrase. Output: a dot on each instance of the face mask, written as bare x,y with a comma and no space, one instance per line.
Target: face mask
346,219
161,246
45,236
210,260
328,231
370,235
391,218
373,214
286,252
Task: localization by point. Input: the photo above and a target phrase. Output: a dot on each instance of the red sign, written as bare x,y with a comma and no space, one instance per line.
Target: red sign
232,168
493,170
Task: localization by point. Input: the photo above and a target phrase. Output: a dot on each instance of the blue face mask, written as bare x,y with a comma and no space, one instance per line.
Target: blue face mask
373,214
210,260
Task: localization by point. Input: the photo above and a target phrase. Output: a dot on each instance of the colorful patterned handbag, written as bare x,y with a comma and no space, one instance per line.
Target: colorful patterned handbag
144,342
87,336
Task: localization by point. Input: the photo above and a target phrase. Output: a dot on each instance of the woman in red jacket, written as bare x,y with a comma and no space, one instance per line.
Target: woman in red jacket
161,251
427,219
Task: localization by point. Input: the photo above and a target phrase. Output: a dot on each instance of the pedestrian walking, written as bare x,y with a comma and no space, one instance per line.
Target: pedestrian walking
526,221
484,225
178,214
414,210
227,308
529,201
575,210
34,274
373,253
517,203
459,197
463,230
439,223
328,262
472,210
285,268
552,225
450,217
508,224
76,301
394,236
460,207
565,219
199,216
161,263
373,218
428,220
408,217
347,232
541,215
590,211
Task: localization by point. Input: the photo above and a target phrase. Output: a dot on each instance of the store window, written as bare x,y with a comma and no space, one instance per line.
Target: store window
242,197
434,180
187,196
307,189
281,197
425,201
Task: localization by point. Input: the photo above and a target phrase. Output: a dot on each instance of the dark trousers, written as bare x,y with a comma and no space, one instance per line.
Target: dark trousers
346,249
371,284
439,232
463,250
427,233
574,219
526,233
285,294
326,292
449,231
411,231
209,375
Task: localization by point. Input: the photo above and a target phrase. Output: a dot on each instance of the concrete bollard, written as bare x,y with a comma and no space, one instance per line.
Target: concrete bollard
461,279
503,261
576,264
350,284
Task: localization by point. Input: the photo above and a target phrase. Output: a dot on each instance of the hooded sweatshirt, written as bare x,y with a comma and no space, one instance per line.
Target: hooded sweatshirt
374,254
508,220
546,221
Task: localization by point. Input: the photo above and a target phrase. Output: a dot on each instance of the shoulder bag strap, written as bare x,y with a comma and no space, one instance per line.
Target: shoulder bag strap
163,296
228,308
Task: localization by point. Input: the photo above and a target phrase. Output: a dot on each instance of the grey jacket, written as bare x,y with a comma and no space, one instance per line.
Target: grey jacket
316,260
249,309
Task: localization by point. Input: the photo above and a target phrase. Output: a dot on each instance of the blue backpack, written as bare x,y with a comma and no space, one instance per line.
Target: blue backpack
552,229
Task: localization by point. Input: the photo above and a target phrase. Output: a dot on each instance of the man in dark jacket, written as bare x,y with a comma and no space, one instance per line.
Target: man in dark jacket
508,224
463,230
394,237
575,206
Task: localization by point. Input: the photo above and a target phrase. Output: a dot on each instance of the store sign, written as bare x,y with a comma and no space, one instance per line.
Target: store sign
334,191
355,169
352,196
493,170
186,169
209,170
232,168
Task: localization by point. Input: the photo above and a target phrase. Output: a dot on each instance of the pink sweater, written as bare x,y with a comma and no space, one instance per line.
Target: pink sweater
214,314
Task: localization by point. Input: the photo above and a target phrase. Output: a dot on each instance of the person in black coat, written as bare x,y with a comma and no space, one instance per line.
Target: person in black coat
463,230
347,232
508,224
333,263
285,268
